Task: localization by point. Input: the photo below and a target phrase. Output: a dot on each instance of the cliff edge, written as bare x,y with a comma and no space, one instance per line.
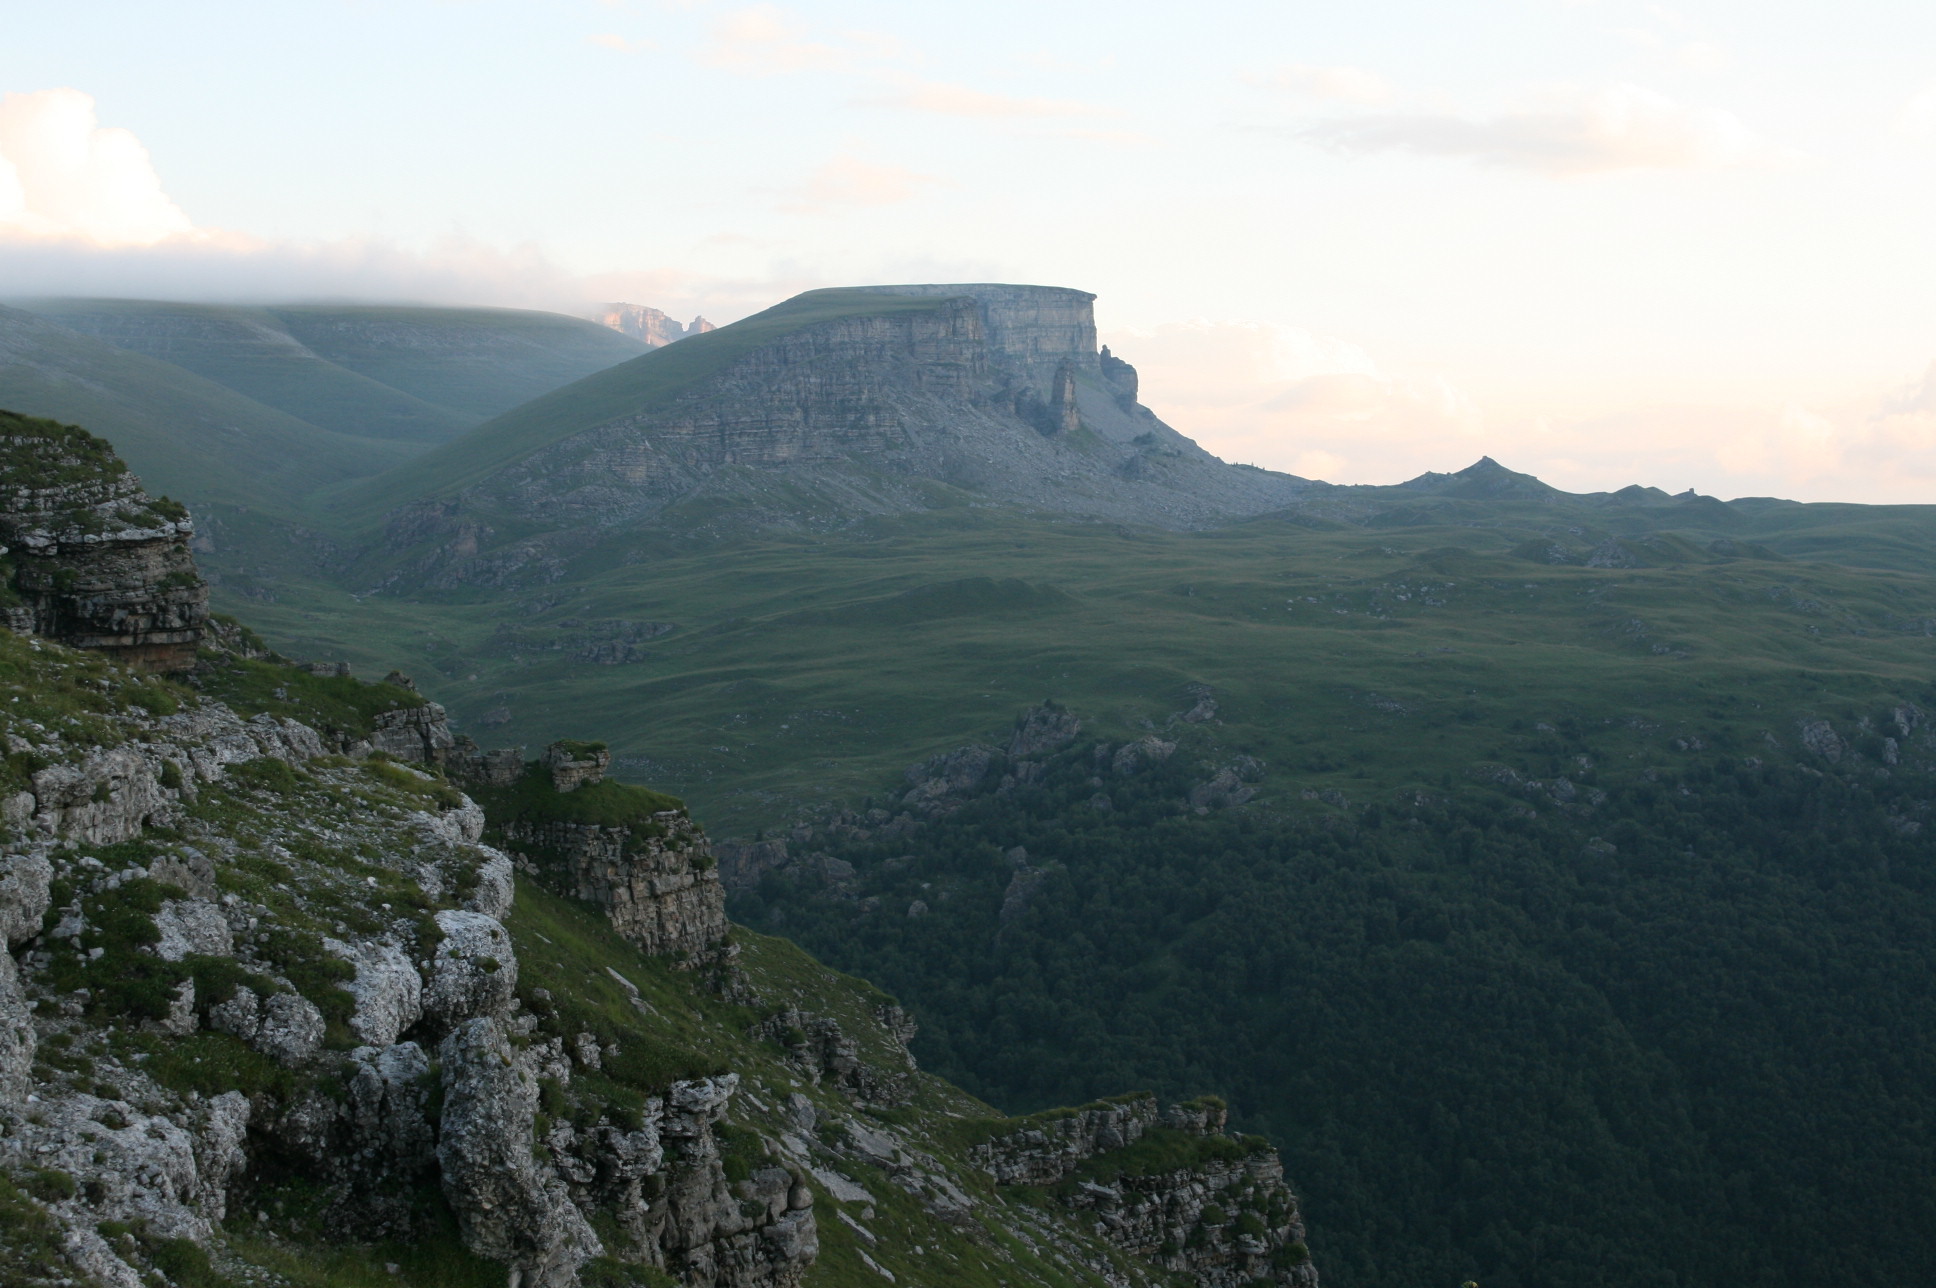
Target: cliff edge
833,406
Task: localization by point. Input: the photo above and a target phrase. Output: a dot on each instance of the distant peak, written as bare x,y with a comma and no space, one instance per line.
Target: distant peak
651,325
1484,478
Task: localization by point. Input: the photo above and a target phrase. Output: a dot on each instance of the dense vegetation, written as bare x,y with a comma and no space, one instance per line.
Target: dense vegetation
1685,1036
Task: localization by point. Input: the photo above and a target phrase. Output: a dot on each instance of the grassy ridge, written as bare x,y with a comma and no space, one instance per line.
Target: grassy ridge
633,388
251,351
476,363
183,434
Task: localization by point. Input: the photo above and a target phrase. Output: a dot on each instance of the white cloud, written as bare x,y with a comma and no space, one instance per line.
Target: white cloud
225,267
64,176
1704,57
942,99
1560,133
765,41
1335,84
850,181
1916,119
619,44
1292,399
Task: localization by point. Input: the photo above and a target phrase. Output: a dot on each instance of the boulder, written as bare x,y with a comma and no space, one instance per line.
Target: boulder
474,972
508,1209
291,1030
387,989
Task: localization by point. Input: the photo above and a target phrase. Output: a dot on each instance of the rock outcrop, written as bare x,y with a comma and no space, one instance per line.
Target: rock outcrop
165,945
657,882
91,559
510,1208
576,764
1224,1217
651,325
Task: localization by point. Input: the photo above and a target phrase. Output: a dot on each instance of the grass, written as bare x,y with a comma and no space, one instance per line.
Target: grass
185,435
30,1240
811,670
340,704
606,803
475,363
251,351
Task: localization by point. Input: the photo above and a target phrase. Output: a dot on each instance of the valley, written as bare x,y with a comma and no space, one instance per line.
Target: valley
1547,874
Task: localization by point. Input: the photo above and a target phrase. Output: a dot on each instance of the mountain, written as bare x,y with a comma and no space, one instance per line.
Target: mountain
1548,872
833,405
186,435
651,325
297,988
416,374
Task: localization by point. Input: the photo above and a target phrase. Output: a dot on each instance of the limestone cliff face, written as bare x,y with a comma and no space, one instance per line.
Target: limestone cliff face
654,877
823,395
651,325
1032,331
661,891
93,560
861,408
376,1024
1169,1186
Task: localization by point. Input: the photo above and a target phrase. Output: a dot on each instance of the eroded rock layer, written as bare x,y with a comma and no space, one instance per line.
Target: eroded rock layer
93,560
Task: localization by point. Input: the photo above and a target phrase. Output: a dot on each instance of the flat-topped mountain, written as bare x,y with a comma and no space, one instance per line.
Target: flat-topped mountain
833,404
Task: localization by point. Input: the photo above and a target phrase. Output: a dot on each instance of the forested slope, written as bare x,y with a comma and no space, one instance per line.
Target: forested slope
1562,1022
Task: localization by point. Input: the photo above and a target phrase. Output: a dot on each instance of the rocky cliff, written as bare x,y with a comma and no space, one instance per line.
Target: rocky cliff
651,325
90,559
834,405
263,1000
627,851
244,959
280,1002
1170,1186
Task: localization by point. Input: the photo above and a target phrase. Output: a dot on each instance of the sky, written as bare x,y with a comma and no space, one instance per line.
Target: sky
1688,245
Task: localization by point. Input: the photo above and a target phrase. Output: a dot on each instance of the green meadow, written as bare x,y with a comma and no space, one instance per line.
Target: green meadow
799,671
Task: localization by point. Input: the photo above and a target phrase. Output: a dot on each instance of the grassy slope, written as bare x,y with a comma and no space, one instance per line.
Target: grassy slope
184,435
805,671
475,362
629,389
250,351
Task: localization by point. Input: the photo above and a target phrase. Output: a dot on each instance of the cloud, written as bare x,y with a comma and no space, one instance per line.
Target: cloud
1560,133
1916,119
64,176
1322,407
233,267
850,181
1335,84
942,99
765,41
1704,57
1293,399
619,44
